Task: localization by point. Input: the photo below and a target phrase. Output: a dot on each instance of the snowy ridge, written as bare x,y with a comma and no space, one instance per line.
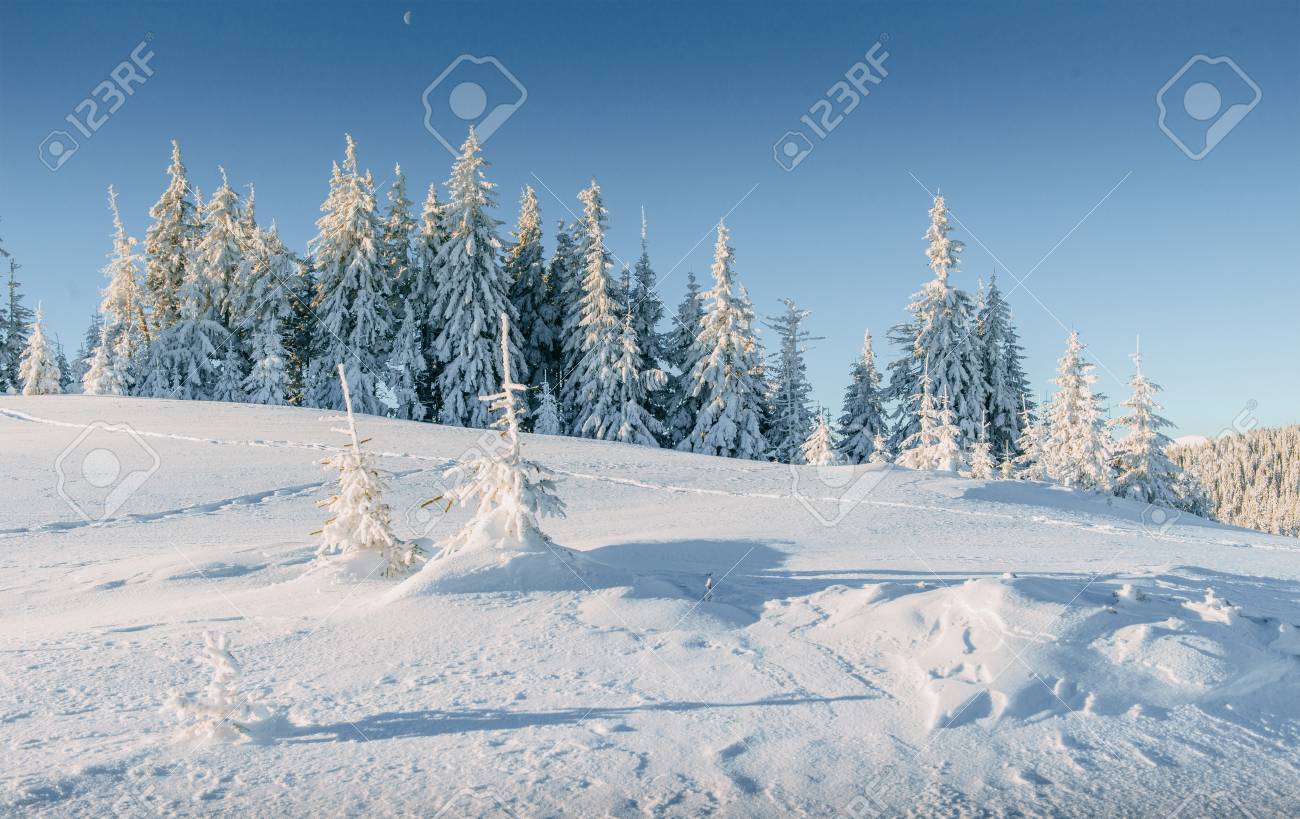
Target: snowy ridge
951,646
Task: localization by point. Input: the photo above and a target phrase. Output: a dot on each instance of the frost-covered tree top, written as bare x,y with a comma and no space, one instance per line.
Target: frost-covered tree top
1002,360
472,290
38,370
647,307
219,255
727,375
168,242
863,419
398,229
943,251
628,418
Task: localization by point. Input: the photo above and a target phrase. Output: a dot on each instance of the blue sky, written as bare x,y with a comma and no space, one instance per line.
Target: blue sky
1038,120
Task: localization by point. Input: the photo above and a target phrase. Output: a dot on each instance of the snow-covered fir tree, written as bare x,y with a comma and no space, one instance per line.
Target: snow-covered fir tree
819,448
168,243
593,386
229,385
1246,477
647,313
936,444
566,276
862,422
880,453
680,351
299,335
981,458
219,254
405,368
472,289
355,323
1031,464
629,419
104,375
547,419
89,342
430,236
395,240
220,713
1078,448
38,371
727,374
17,320
509,493
531,293
66,379
1145,472
360,519
939,339
122,305
265,315
1002,363
790,392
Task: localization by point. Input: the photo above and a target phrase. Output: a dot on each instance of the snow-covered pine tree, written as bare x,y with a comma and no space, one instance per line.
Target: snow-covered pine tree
17,324
880,451
593,386
981,457
472,289
360,520
1002,357
104,376
229,385
122,306
355,322
566,275
948,454
863,419
819,448
1145,471
684,405
65,368
792,419
396,239
939,339
405,368
647,313
547,420
219,254
1078,447
727,374
531,293
38,371
629,419
509,492
220,713
168,243
265,317
1031,463
918,449
430,236
89,341
299,335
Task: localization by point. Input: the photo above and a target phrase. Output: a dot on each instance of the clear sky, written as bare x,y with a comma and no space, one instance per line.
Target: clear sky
1038,120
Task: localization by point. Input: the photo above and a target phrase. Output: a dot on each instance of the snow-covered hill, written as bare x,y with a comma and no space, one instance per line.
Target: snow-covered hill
878,642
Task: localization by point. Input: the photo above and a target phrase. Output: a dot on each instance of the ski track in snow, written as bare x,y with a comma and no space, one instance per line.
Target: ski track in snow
440,463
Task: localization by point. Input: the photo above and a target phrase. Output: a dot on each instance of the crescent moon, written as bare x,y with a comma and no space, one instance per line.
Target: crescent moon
406,18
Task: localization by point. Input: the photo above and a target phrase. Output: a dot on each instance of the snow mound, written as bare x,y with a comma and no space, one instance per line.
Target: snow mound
484,565
992,650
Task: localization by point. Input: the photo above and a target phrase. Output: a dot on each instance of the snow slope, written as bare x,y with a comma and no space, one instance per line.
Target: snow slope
947,647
